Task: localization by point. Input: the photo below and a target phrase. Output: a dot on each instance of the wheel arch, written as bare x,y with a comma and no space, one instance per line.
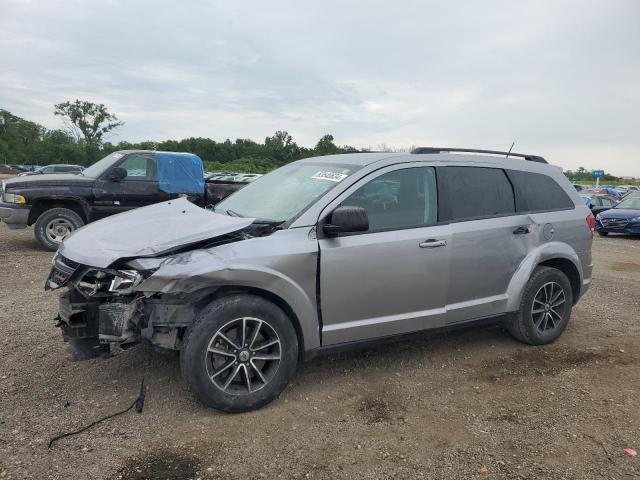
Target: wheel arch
567,267
228,290
223,279
41,205
553,254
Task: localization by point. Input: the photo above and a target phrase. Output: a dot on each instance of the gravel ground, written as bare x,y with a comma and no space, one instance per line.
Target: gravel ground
468,404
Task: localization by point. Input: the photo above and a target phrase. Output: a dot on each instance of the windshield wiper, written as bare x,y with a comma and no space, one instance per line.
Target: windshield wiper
231,213
267,221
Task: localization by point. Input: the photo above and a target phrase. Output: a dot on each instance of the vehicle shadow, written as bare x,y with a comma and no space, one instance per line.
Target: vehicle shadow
431,347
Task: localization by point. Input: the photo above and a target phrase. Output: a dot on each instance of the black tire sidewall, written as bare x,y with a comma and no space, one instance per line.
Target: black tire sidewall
209,320
538,279
51,214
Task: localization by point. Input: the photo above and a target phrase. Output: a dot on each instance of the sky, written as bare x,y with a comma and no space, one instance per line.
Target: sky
559,78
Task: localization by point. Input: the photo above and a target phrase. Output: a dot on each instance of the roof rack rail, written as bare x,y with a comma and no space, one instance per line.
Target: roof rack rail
531,158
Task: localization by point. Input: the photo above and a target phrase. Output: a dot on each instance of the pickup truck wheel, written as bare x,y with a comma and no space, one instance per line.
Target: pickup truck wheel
240,353
54,225
545,307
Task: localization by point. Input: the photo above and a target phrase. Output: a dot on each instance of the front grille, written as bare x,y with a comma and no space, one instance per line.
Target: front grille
619,223
62,270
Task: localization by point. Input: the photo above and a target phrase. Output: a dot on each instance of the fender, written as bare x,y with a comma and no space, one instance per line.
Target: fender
541,254
205,269
84,205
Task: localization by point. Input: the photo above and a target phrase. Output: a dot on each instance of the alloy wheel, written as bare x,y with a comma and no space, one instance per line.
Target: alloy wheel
548,307
243,356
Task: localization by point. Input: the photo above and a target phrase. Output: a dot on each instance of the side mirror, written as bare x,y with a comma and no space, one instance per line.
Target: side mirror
346,220
116,174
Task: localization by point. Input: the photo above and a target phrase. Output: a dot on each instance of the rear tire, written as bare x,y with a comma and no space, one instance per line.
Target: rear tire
54,225
240,353
545,307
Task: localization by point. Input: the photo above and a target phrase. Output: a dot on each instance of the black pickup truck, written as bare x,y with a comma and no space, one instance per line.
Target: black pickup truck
59,204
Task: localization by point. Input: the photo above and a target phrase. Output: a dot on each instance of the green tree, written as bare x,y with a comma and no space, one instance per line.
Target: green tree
281,147
87,122
325,146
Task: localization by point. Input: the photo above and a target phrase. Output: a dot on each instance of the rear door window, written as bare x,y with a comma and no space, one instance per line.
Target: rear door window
536,192
468,193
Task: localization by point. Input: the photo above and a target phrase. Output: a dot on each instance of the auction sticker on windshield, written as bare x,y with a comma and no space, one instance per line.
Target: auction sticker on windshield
331,176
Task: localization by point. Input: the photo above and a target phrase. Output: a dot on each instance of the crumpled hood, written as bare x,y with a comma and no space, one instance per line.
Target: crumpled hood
147,232
620,213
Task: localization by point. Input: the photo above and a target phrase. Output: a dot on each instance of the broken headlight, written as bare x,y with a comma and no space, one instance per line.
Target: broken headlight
125,281
108,282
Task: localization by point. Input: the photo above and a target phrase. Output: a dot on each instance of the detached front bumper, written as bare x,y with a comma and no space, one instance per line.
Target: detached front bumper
15,216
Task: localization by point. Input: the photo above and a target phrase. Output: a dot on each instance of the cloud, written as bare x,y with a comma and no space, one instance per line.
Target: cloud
557,77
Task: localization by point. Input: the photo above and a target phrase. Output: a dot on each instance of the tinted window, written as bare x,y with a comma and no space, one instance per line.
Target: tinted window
473,192
139,167
536,192
400,199
606,202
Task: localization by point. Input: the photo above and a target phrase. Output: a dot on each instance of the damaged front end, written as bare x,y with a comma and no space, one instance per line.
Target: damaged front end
108,298
103,307
98,307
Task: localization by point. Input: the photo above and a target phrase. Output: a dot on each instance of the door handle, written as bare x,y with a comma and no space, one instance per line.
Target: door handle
432,243
522,230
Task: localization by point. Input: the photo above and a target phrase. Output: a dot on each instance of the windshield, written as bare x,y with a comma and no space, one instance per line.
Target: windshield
101,166
284,193
633,203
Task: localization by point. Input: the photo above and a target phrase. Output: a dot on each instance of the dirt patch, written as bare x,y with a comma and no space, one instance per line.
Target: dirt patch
508,415
160,465
540,362
382,407
625,267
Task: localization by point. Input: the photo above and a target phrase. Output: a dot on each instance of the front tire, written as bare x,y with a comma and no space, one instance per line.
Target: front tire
54,225
545,307
240,353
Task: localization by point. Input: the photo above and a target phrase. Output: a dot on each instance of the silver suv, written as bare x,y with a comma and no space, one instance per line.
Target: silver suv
329,252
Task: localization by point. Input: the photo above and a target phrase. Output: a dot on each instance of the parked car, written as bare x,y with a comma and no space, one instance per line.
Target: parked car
222,184
62,168
59,204
8,170
624,189
602,191
623,218
598,203
325,253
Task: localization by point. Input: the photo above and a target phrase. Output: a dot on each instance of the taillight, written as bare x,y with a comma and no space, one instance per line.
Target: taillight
591,223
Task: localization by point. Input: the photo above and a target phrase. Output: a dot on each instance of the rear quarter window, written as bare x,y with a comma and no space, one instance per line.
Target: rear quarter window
537,192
